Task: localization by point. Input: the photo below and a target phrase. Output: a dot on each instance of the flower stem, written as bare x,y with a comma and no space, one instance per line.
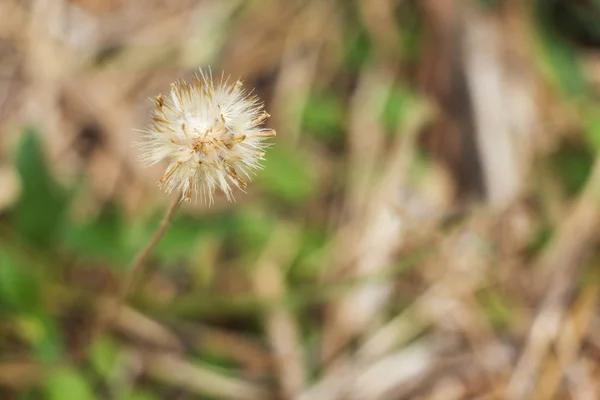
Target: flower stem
142,255
109,310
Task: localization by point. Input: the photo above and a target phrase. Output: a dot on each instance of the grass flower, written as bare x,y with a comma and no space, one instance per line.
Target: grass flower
210,134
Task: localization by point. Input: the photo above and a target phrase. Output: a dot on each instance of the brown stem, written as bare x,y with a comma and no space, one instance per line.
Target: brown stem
142,255
109,310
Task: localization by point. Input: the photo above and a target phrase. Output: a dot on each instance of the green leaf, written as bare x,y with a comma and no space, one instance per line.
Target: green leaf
253,228
68,384
29,394
100,239
19,288
400,103
497,309
308,264
287,175
103,355
592,127
357,48
43,335
324,117
181,239
559,58
37,215
572,164
410,23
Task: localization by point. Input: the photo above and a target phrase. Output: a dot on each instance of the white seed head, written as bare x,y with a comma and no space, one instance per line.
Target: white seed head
209,133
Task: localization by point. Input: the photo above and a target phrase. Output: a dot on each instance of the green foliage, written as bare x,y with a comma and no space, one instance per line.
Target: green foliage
100,239
559,57
411,25
539,240
497,308
44,336
68,383
103,356
253,227
288,175
19,288
592,126
324,117
181,239
39,213
308,263
400,103
357,48
572,165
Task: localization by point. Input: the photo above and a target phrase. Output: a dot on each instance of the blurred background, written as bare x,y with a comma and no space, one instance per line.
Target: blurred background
425,225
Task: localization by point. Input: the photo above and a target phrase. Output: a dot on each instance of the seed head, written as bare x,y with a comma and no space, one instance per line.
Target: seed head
209,133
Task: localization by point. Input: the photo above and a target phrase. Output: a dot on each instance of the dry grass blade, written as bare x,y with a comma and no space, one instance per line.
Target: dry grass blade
173,370
136,325
280,324
498,144
563,259
20,374
377,228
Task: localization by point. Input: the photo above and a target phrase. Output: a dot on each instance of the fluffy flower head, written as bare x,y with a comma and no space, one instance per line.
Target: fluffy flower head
209,133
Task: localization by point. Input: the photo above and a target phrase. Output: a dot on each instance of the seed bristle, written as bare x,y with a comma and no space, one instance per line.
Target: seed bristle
267,133
231,172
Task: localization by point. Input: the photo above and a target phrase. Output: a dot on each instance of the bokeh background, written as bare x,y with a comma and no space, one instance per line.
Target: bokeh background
425,225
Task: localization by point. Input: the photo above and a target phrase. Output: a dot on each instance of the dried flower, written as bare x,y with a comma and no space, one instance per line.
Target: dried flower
210,134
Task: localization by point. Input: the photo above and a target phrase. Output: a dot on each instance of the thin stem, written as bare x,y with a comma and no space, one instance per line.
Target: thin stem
107,317
142,255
